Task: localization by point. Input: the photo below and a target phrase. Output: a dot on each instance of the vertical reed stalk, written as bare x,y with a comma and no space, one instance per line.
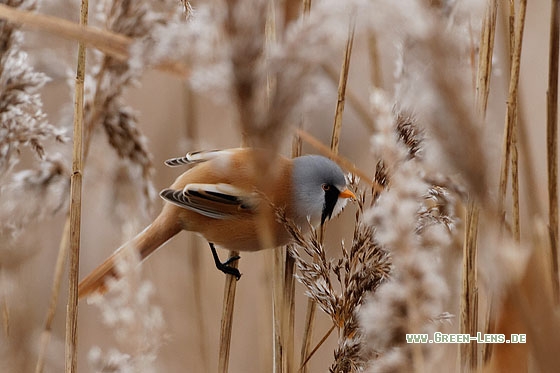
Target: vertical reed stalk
335,139
307,333
278,309
55,291
511,111
5,309
343,81
289,311
71,361
227,318
360,109
516,230
485,56
509,144
227,311
290,271
469,290
278,253
552,141
511,29
514,135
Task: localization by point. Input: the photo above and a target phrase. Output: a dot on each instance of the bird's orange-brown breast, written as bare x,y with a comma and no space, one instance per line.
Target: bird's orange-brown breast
249,230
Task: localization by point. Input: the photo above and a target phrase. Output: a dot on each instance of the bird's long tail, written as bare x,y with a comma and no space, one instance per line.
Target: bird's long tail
146,242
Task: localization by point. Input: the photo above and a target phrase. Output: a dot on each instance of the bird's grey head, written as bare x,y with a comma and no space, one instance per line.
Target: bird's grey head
317,183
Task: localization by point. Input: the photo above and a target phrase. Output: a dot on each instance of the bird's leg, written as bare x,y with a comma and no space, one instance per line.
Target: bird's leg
225,267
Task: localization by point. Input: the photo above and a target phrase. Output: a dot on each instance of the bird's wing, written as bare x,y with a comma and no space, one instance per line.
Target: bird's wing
198,157
218,201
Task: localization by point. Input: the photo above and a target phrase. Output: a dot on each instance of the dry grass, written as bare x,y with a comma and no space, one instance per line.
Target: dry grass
443,238
75,214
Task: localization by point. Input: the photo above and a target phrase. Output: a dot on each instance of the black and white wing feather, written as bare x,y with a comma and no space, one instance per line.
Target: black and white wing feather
198,157
217,201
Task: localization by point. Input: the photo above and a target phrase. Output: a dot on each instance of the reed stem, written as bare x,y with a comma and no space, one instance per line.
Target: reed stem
55,292
71,361
552,142
227,318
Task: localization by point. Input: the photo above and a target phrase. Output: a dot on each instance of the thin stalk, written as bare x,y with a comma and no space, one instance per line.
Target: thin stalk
289,311
511,111
530,180
110,43
511,28
485,56
309,319
353,100
278,253
552,141
469,296
227,318
516,230
55,291
278,309
316,348
509,146
335,140
342,83
290,281
227,312
469,290
71,361
5,308
514,153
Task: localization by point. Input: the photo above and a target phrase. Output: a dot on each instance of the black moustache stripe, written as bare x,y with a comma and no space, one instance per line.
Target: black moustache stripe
331,196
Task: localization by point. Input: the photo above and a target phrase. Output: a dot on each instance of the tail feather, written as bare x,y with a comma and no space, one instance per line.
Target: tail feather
146,242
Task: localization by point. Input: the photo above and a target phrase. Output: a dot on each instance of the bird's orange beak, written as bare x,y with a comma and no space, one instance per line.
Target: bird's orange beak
347,193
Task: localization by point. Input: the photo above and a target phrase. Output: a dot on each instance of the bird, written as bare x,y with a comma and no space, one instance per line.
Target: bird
224,197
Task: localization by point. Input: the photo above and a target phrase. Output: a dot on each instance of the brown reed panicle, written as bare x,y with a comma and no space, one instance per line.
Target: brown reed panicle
22,121
358,272
409,133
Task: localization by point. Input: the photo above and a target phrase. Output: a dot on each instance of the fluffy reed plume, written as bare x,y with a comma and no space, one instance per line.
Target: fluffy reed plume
26,198
23,122
137,323
415,218
415,221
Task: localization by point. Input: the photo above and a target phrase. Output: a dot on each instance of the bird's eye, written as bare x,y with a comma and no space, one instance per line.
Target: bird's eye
326,187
